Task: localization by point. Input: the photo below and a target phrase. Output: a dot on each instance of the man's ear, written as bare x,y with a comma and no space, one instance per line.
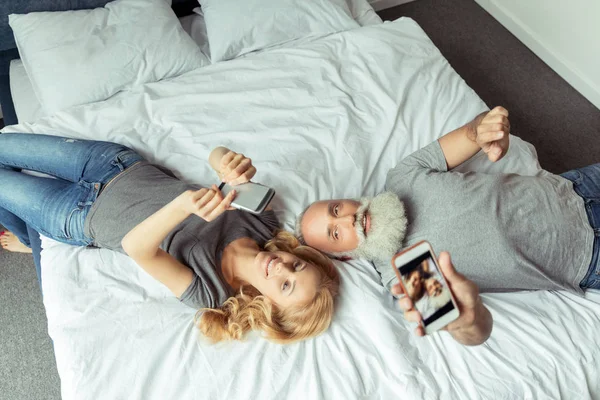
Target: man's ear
344,258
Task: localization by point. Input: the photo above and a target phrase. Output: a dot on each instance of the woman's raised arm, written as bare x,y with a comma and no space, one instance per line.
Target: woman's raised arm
142,243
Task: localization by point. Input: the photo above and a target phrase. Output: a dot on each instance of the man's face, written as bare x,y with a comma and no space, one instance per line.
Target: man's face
433,287
372,228
331,225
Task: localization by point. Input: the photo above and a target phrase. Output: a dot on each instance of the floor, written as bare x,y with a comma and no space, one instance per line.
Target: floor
544,109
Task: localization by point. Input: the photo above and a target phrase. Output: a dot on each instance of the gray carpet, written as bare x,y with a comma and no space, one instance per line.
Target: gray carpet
27,366
545,111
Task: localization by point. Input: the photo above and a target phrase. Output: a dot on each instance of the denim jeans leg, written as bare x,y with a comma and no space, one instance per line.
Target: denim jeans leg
53,207
36,247
586,183
16,225
69,159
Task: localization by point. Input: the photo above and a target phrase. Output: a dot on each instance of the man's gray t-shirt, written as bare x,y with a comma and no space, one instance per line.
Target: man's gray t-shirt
143,189
504,232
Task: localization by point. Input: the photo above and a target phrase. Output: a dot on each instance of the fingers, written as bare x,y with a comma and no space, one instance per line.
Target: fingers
495,152
499,110
410,313
493,133
397,289
208,204
236,168
244,177
493,129
227,158
223,205
230,161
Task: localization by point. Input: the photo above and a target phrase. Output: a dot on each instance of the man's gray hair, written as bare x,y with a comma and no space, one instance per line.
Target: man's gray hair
298,229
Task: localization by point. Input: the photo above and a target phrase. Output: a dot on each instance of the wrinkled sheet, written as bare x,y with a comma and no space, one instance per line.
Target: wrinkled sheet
320,120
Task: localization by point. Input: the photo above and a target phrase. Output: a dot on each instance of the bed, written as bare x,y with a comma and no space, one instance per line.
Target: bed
320,118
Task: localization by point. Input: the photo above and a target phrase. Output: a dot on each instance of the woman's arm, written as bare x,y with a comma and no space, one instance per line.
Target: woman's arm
142,243
488,131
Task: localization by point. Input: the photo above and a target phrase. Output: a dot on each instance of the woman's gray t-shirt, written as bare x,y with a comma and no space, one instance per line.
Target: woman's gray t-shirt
505,231
143,189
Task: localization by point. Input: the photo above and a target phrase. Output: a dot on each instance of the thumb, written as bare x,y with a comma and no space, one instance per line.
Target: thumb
499,110
447,267
230,196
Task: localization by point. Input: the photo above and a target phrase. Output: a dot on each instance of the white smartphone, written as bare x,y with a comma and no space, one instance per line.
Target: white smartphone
251,197
418,272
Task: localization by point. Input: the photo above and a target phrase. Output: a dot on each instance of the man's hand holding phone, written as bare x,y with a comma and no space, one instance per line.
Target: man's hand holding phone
474,324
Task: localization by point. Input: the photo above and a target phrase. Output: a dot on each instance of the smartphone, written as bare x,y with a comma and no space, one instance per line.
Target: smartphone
422,280
252,197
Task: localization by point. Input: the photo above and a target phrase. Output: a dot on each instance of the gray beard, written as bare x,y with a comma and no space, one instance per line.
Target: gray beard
388,227
440,300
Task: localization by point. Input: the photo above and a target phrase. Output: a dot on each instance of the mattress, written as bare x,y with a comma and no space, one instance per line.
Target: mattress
321,120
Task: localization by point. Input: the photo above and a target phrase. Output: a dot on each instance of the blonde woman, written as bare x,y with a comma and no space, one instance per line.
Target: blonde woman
223,262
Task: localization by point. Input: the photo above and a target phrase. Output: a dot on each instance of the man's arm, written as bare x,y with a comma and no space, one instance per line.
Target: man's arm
474,325
488,131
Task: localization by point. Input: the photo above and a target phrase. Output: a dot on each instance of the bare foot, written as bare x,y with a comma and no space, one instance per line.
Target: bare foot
11,243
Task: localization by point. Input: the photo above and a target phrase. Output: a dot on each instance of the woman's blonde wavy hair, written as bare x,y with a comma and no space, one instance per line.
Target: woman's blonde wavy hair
249,310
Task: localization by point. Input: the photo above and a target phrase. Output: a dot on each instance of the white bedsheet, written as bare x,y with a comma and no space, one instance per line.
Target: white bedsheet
325,119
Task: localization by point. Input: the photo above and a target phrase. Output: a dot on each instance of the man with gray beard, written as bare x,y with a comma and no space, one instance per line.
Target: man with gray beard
506,232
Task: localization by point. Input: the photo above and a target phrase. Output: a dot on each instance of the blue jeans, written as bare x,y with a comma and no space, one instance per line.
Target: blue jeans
26,235
16,225
56,208
586,183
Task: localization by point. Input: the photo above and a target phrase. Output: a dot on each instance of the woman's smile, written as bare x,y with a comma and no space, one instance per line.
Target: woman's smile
266,261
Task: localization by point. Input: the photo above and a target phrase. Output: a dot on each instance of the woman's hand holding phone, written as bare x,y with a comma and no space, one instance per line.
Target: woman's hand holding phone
474,325
235,168
208,204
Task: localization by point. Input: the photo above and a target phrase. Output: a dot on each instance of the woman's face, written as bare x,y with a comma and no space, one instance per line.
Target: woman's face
284,278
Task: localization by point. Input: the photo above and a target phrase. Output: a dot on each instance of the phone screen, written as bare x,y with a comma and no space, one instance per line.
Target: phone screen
426,287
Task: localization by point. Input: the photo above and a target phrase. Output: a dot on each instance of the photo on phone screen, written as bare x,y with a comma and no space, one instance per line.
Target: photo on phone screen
426,287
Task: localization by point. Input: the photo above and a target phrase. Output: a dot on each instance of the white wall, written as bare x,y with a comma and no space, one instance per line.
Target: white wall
565,34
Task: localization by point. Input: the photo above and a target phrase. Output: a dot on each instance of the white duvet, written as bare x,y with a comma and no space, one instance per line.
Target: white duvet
321,120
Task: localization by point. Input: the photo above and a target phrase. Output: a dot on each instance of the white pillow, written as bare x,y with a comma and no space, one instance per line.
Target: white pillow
363,13
198,31
27,106
78,57
237,27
